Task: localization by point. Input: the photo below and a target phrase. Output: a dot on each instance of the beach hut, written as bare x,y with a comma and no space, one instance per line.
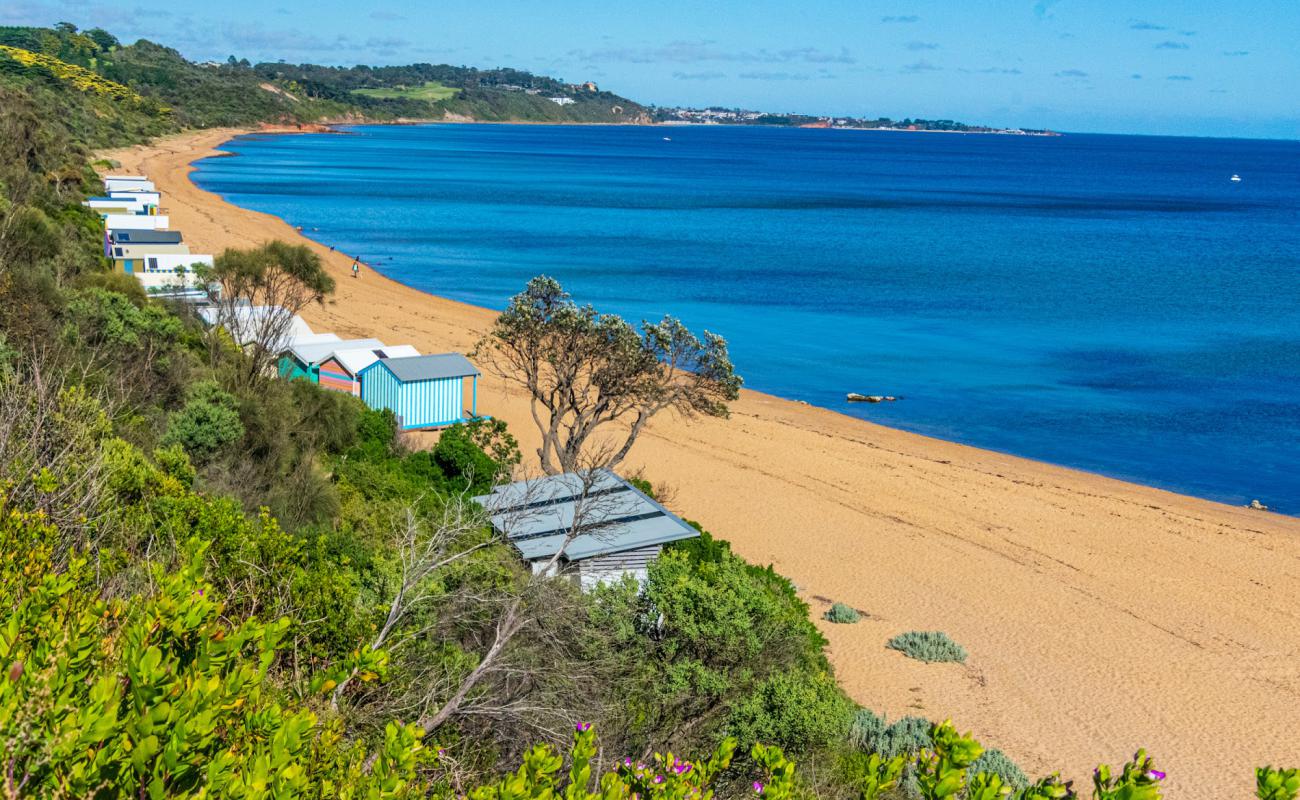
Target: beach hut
339,370
613,529
122,238
135,222
423,391
302,359
247,324
128,183
130,258
119,205
172,275
148,198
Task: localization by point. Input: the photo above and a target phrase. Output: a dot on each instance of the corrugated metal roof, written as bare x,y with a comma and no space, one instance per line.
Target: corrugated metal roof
316,352
245,322
356,359
144,237
429,368
538,515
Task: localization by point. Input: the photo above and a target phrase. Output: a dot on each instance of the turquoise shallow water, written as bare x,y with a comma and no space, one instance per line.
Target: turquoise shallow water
1112,303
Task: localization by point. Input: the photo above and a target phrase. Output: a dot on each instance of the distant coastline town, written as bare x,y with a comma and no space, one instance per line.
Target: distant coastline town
716,115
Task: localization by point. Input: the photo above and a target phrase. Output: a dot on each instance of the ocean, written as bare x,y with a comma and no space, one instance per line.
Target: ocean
1111,303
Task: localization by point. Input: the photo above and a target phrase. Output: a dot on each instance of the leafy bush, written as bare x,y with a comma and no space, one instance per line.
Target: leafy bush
872,734
995,762
1277,784
928,646
160,696
865,730
842,614
207,423
476,454
801,711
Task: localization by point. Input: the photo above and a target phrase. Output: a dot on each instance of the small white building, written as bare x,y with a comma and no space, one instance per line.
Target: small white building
149,198
128,183
606,527
135,222
118,205
561,101
171,275
246,323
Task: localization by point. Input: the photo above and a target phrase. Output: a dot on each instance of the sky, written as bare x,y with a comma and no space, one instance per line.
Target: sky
1197,67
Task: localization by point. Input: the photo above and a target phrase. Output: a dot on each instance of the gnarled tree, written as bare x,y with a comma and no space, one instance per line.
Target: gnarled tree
584,370
262,289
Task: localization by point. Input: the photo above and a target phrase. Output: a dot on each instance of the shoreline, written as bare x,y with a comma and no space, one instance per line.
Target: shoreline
1073,592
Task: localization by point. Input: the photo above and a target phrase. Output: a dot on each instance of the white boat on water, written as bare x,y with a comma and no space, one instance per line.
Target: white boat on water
1235,178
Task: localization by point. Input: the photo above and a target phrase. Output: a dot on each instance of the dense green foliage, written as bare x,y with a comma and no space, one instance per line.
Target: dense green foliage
928,646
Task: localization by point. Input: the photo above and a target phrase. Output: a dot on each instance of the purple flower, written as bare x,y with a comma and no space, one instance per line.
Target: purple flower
441,752
627,762
582,727
681,769
659,779
1156,775
758,787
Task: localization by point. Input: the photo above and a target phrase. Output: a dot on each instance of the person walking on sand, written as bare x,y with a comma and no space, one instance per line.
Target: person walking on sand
356,269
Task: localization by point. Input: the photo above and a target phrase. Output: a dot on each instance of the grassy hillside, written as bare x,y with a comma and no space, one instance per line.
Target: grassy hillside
112,93
429,91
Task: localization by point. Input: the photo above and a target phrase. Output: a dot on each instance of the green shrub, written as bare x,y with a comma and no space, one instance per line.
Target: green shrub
842,614
928,646
800,711
906,737
996,762
460,458
871,733
866,730
207,423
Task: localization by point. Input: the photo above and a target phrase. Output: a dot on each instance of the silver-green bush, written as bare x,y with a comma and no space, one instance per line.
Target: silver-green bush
872,734
996,762
843,614
928,646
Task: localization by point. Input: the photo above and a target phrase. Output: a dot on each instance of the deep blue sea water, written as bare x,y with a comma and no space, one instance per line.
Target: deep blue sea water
1112,303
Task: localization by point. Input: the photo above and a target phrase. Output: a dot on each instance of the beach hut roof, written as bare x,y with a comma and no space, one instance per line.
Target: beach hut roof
312,353
313,338
358,358
537,515
146,236
429,368
244,323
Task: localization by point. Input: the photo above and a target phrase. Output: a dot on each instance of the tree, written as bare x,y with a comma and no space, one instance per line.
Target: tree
584,370
261,290
207,423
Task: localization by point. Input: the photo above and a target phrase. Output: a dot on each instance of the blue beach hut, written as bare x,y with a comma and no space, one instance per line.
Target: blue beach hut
423,391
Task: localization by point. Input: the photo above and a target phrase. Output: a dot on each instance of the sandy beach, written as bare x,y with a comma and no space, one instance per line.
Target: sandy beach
1100,616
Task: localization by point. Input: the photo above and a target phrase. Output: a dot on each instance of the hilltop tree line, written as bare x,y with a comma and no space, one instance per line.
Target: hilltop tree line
181,94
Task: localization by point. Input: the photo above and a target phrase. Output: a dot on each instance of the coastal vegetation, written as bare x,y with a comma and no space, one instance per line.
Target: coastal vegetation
214,583
584,370
842,614
929,646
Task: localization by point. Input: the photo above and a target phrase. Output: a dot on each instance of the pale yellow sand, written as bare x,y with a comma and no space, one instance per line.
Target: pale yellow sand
1099,615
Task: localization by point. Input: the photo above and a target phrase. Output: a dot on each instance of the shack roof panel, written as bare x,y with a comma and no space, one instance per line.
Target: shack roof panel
316,352
245,323
356,359
537,516
429,368
144,237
